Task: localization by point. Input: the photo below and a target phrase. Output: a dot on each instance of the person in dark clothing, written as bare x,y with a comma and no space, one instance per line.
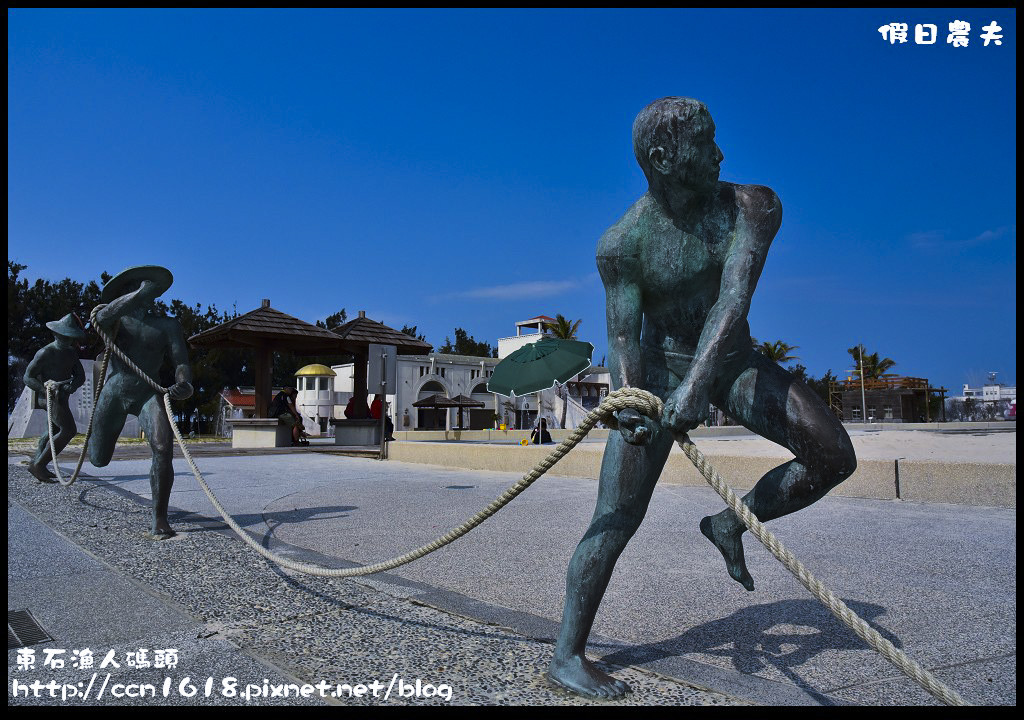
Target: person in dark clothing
540,435
283,408
375,410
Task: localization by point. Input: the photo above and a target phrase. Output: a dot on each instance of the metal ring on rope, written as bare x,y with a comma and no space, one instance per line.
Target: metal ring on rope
639,400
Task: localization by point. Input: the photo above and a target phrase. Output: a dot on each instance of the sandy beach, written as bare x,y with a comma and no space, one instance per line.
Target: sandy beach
979,446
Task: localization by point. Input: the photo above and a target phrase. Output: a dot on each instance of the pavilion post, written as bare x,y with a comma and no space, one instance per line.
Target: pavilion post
359,409
263,370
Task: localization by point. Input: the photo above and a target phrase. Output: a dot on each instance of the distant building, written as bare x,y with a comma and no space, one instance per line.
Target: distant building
992,400
991,391
239,402
420,376
508,345
888,399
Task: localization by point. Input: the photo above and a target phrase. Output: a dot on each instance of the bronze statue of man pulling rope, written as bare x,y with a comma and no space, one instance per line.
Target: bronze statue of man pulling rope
679,270
147,340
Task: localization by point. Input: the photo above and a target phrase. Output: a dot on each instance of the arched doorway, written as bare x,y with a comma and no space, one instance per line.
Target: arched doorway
431,418
482,418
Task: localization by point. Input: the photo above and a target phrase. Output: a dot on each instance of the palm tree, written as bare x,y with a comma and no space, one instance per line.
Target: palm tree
563,329
778,351
874,367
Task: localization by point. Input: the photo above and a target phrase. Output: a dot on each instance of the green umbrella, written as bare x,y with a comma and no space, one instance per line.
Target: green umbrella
539,365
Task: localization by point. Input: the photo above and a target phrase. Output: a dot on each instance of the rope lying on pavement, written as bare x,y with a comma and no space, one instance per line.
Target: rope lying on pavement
639,400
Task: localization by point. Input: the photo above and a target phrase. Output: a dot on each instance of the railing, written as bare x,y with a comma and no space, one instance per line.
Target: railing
884,383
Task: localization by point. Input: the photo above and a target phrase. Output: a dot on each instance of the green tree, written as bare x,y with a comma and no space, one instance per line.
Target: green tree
822,385
411,331
30,307
562,328
778,351
874,367
333,321
465,344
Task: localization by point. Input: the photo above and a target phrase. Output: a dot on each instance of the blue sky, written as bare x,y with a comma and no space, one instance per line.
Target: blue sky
456,168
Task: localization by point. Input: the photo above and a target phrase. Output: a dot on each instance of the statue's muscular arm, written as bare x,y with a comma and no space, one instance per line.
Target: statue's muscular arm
36,370
177,348
117,308
48,364
758,220
618,262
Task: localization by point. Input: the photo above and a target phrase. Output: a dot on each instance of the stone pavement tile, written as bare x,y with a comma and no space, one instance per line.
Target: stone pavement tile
316,628
33,541
99,608
481,664
991,682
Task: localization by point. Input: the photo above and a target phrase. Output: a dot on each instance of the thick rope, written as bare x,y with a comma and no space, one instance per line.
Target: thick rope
836,606
644,403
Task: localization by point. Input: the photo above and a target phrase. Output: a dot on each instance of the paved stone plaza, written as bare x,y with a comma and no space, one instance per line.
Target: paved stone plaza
479,616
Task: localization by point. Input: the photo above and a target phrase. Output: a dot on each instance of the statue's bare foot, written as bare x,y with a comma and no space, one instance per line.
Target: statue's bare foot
49,472
40,473
162,531
578,674
731,547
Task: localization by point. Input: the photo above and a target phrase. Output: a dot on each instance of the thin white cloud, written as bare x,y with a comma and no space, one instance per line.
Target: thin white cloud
926,240
529,288
936,240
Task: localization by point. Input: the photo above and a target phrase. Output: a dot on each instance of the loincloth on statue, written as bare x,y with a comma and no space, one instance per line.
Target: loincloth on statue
665,370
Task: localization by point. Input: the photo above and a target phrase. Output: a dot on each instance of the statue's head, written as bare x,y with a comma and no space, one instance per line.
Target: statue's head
674,138
68,329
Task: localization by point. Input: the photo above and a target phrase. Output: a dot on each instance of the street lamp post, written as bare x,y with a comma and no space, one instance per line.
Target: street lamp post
863,396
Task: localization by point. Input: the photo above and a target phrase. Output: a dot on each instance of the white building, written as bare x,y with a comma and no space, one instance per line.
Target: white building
420,376
508,345
991,399
991,391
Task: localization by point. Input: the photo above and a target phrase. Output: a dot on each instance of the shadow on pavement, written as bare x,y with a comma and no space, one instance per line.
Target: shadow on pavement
783,635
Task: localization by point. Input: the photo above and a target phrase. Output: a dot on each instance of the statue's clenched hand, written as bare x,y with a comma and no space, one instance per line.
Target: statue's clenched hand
180,391
634,427
686,409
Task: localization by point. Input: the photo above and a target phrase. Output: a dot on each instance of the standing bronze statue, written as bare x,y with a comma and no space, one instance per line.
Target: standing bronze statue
679,270
147,339
58,361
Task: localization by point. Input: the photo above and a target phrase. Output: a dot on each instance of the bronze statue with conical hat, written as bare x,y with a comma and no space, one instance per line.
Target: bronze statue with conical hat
147,340
679,270
58,361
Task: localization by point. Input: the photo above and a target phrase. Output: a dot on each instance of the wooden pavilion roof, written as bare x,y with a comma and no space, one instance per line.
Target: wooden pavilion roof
268,328
463,401
361,332
437,400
